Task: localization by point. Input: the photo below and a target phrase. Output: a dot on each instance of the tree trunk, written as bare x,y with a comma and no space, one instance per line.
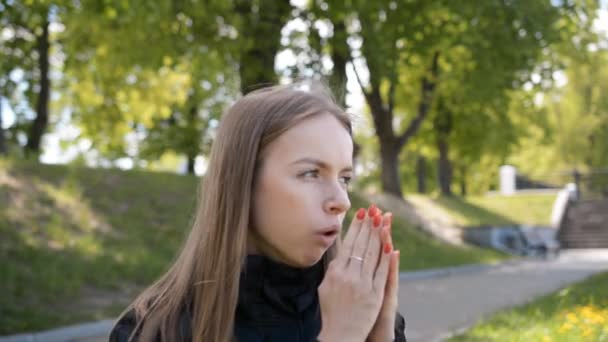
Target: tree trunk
193,139
262,39
382,111
340,56
443,128
3,149
421,174
191,162
40,123
444,167
391,182
463,181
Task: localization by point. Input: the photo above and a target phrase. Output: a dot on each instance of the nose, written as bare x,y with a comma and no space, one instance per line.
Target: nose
337,201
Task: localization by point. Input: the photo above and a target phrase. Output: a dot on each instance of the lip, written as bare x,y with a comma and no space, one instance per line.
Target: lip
328,234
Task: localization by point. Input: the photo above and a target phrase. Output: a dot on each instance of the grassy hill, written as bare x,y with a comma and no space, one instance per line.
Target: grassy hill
532,209
77,244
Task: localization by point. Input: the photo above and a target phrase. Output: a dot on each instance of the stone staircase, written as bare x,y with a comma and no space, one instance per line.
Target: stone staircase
585,224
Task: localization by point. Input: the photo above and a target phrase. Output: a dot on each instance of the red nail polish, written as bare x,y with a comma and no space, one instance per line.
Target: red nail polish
361,214
377,221
387,248
373,210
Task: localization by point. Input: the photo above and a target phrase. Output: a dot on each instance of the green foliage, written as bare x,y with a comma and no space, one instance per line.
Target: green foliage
168,93
577,121
575,313
488,51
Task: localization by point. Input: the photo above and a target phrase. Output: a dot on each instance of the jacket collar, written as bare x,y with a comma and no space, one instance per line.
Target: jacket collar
267,287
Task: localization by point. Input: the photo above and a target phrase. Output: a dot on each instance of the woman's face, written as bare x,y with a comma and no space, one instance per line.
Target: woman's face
300,192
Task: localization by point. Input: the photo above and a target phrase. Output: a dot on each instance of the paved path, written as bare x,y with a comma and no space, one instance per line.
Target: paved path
438,304
435,308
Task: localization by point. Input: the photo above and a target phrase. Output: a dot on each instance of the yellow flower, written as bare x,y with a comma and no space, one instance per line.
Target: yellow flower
572,317
565,327
587,332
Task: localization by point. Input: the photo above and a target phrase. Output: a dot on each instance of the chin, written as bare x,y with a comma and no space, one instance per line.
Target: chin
305,261
311,260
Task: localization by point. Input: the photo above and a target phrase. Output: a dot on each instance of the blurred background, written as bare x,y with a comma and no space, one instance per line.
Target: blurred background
482,124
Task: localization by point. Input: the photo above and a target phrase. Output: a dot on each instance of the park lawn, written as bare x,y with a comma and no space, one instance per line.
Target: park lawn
576,313
531,209
418,251
77,244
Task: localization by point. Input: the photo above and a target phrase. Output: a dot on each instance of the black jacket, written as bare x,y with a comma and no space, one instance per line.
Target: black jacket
276,303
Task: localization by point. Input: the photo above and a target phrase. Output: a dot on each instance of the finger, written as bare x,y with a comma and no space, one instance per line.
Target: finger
381,274
392,283
389,229
385,233
351,235
361,242
391,299
388,224
374,247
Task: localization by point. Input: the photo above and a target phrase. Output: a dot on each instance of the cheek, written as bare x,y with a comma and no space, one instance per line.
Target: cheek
283,205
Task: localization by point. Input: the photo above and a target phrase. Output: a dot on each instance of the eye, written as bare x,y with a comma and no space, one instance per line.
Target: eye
346,180
310,173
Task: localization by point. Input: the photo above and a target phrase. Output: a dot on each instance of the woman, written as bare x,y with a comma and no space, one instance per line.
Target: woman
264,260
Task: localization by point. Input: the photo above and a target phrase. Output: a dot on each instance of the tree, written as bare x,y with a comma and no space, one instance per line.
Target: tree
577,119
3,148
28,49
502,40
260,23
196,50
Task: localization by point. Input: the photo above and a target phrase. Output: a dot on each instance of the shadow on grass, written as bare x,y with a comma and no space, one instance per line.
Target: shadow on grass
471,215
76,243
419,251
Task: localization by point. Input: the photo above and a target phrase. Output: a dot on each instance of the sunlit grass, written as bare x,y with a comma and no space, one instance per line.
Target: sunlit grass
69,235
498,210
576,313
65,230
418,251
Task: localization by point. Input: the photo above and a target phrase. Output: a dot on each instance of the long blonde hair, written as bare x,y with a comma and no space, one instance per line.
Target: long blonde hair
205,276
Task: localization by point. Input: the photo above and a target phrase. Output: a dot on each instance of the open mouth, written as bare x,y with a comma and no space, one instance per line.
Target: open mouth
330,233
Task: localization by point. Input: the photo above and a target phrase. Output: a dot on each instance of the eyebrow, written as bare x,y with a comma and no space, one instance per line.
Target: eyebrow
319,163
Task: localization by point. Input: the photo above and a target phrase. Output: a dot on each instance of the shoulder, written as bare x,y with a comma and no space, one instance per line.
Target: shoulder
400,328
121,332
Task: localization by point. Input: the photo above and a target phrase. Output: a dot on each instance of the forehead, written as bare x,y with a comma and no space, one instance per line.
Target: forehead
321,137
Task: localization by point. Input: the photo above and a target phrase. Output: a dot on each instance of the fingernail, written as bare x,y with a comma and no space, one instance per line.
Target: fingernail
372,210
361,214
387,248
377,221
389,219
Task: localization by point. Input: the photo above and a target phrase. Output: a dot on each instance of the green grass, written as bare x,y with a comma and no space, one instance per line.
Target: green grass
418,251
78,244
576,313
499,210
